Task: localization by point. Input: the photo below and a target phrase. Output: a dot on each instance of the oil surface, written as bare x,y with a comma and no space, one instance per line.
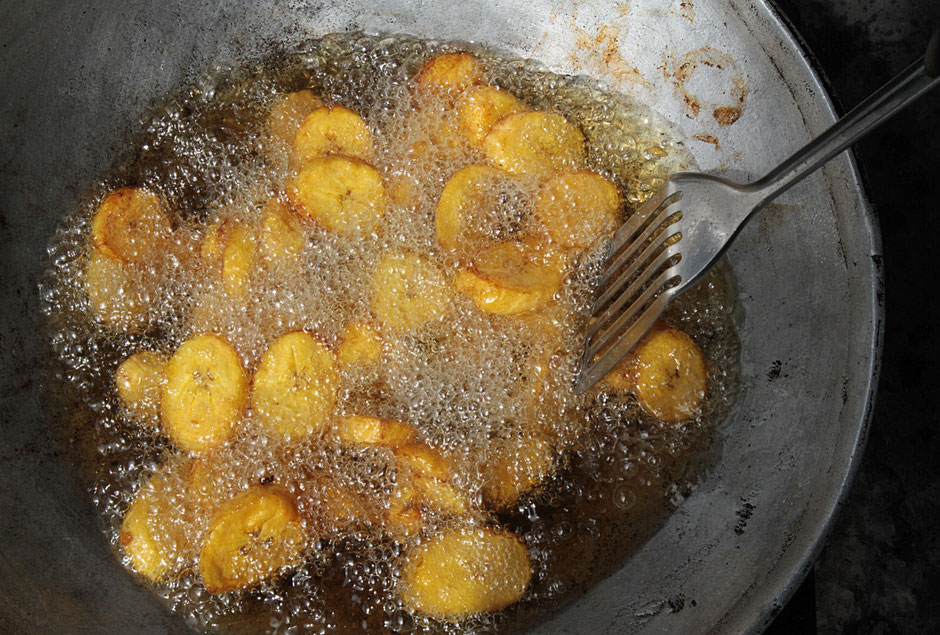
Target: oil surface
619,472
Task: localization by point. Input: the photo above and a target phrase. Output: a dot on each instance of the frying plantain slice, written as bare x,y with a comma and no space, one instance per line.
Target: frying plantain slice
481,107
478,206
287,115
512,277
295,385
449,73
465,571
230,247
359,343
430,474
131,226
250,538
139,380
149,553
666,371
204,395
361,430
535,143
282,241
577,208
408,291
345,194
332,130
119,297
521,465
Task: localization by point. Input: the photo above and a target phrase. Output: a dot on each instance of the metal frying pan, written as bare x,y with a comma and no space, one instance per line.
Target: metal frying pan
78,77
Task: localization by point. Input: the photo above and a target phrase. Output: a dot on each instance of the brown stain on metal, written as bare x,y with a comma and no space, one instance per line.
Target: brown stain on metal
681,70
707,138
687,10
599,53
726,115
623,8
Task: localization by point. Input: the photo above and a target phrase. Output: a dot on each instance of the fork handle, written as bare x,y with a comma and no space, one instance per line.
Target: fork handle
914,81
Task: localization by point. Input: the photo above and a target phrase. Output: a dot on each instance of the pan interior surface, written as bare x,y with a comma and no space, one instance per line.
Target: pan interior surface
727,75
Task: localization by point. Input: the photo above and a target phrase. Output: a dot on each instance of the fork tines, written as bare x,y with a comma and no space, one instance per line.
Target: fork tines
633,287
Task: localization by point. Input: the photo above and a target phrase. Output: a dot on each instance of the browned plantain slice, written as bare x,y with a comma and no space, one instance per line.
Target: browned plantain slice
578,208
481,107
131,226
345,194
204,395
250,538
294,388
466,571
535,143
332,130
139,380
449,73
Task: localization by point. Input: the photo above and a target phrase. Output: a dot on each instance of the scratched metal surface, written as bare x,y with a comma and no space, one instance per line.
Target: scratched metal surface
78,78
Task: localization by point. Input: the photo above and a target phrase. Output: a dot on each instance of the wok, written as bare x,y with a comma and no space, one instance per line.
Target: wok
79,77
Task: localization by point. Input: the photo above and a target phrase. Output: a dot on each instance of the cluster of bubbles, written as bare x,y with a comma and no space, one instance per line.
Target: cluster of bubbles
456,379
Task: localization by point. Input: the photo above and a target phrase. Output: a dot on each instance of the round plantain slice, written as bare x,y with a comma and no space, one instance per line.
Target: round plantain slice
535,143
512,277
430,474
449,73
204,395
281,240
139,380
119,298
295,385
666,371
332,130
345,194
524,463
481,107
361,430
408,291
148,552
230,246
288,113
462,572
131,226
477,206
359,343
577,208
250,538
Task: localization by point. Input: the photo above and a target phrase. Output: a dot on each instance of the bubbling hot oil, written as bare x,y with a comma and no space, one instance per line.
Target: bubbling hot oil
620,471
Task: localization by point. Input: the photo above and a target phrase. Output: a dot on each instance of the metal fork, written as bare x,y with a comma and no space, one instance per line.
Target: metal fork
683,229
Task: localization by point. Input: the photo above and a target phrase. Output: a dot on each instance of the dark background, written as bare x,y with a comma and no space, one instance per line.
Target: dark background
880,569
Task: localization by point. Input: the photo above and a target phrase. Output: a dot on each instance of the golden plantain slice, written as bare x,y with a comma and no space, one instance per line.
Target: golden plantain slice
462,572
139,380
281,240
522,465
535,143
449,73
359,343
481,107
295,385
668,374
479,204
408,291
119,298
332,130
250,538
131,226
513,277
361,430
577,208
149,553
204,395
231,246
345,194
288,113
430,475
